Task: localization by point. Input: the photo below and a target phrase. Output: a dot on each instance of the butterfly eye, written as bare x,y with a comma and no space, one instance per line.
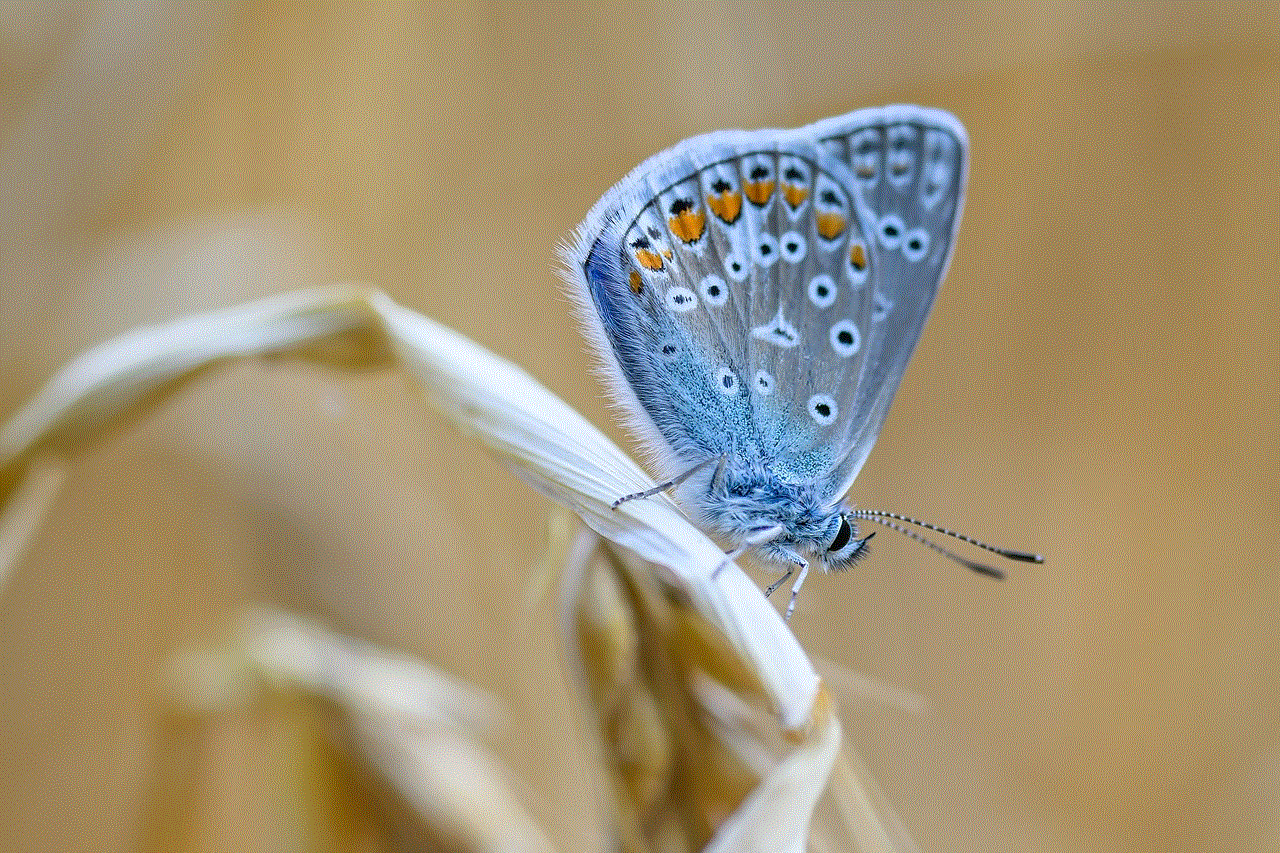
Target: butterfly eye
845,548
843,535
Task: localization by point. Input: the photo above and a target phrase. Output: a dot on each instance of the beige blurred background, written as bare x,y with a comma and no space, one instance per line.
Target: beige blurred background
1099,380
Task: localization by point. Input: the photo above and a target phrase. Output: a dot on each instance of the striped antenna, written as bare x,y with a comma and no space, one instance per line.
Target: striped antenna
894,521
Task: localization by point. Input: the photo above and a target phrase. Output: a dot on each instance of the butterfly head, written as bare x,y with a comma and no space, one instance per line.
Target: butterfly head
794,520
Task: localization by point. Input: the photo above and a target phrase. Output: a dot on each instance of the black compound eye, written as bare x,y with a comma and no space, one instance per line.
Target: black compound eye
843,535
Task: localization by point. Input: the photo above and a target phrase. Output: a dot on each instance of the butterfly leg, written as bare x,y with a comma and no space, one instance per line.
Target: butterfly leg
662,487
772,588
759,537
795,590
803,565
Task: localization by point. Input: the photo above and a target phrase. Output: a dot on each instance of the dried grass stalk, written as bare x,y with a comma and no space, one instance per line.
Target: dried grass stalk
715,719
375,750
694,754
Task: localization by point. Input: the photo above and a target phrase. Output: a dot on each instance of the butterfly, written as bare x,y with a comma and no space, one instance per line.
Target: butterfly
755,297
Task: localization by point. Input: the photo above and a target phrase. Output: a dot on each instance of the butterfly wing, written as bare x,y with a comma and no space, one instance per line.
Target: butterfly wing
910,165
750,298
727,278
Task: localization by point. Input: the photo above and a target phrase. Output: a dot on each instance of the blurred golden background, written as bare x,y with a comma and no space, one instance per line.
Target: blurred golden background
1100,380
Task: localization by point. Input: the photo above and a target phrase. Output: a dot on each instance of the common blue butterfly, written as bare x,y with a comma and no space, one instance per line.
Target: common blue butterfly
756,297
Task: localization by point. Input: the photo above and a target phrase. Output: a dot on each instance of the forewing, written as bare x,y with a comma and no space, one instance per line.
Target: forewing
729,277
909,165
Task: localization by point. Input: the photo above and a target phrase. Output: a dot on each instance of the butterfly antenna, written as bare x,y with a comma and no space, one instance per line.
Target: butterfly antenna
1010,553
891,520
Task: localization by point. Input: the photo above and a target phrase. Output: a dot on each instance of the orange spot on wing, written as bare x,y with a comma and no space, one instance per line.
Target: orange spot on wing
688,225
858,256
666,253
865,172
794,195
830,225
636,282
727,206
649,260
759,192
